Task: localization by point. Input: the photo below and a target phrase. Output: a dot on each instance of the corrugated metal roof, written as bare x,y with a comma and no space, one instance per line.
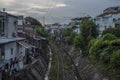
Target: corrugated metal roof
4,40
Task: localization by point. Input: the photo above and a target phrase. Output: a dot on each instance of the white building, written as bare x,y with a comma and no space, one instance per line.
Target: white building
75,24
12,47
8,24
20,25
108,18
54,29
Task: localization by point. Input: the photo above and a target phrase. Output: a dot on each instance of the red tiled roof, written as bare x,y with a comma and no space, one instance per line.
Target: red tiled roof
107,13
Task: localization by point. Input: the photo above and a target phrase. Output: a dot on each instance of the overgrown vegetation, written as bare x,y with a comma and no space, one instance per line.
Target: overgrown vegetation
105,50
32,21
79,42
114,31
41,31
88,31
53,70
69,36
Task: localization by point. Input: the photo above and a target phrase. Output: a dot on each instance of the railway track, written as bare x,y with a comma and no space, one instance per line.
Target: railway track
65,69
60,63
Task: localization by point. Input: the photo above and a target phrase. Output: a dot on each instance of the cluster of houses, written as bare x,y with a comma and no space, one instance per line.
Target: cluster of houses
18,43
109,18
56,28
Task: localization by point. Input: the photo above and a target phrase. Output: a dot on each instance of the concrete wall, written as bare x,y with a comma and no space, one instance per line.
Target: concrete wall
12,26
8,47
18,52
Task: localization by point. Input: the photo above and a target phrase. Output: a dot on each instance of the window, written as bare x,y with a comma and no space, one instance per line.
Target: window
11,51
1,25
2,53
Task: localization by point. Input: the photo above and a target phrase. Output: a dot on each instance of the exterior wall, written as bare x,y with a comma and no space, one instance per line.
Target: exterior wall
11,26
106,21
10,23
8,50
21,54
20,22
29,31
18,52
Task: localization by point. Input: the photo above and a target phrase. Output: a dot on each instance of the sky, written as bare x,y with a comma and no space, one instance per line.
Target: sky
57,10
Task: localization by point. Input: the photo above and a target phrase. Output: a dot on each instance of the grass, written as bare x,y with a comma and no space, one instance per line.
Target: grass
53,70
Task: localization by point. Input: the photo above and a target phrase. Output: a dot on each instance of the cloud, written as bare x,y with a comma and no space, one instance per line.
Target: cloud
30,6
13,12
39,7
61,5
7,2
53,9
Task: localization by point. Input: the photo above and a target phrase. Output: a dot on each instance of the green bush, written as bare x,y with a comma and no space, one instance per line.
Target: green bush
79,43
115,60
106,50
109,37
69,36
114,31
102,46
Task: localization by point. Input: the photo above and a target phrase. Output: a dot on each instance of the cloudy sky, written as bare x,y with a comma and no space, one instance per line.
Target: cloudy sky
57,10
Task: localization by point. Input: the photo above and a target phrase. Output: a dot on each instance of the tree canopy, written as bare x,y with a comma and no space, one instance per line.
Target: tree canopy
32,21
106,50
69,35
114,31
88,29
41,31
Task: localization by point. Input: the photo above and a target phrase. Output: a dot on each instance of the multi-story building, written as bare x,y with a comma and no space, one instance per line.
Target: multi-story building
54,29
20,26
12,47
108,18
28,32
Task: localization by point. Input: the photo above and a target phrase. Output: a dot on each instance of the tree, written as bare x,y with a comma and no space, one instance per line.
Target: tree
66,32
78,42
114,31
69,35
106,50
101,48
32,21
88,29
115,60
41,31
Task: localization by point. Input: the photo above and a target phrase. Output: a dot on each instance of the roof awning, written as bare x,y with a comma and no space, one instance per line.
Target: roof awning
24,45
